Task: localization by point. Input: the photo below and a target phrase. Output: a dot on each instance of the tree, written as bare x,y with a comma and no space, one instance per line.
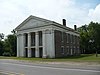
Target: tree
10,45
94,29
1,47
1,43
84,38
89,37
1,36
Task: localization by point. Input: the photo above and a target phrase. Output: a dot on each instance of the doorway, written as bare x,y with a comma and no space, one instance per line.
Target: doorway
33,52
26,52
40,52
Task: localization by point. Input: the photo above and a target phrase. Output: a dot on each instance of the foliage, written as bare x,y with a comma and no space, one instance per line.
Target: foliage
1,47
1,36
89,37
1,43
8,46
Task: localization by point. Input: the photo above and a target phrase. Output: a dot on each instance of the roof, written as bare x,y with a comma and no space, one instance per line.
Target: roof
45,20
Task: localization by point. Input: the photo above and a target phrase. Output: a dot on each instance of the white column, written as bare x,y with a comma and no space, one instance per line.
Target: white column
44,42
29,45
53,44
23,45
18,54
37,44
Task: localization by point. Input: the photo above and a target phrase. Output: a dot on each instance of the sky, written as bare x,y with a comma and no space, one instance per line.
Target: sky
76,12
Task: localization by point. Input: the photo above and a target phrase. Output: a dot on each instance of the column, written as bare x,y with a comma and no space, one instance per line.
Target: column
37,44
23,45
44,40
18,54
29,44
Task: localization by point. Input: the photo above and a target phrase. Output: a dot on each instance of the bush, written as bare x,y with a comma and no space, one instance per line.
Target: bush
6,54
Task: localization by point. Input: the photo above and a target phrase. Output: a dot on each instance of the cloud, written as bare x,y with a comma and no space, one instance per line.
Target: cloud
13,12
94,14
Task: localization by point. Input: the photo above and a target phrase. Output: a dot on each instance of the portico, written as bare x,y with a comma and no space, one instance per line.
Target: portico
34,44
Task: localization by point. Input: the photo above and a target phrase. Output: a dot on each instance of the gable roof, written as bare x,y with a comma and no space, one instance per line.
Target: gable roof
32,17
44,20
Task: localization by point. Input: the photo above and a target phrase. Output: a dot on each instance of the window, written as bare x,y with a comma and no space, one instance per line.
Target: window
62,37
77,40
40,38
68,50
62,49
74,39
26,40
68,37
71,37
71,50
33,39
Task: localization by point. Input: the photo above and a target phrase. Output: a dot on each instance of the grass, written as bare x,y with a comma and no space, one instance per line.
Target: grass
81,58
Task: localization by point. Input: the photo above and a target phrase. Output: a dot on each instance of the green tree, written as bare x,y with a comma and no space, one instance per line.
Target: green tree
1,47
10,45
1,36
1,43
84,39
94,30
89,37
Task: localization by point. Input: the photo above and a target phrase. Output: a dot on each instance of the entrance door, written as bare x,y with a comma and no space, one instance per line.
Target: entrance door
33,52
40,52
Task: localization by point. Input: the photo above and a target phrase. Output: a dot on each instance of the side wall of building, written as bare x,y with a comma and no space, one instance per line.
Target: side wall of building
66,44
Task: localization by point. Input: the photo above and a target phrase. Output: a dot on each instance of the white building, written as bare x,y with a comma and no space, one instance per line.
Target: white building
38,37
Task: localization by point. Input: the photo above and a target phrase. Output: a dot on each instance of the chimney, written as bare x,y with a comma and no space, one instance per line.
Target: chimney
64,22
75,27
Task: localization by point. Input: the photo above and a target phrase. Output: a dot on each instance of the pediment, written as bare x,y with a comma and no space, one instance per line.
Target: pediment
32,22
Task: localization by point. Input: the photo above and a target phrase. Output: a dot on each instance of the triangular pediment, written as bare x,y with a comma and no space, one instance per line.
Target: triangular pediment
32,22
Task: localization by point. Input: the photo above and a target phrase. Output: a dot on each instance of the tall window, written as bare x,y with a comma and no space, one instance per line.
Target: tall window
77,40
62,37
74,39
40,38
67,50
26,40
33,39
71,38
68,38
62,49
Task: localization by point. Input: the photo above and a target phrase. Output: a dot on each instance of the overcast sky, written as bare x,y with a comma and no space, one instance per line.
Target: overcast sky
79,12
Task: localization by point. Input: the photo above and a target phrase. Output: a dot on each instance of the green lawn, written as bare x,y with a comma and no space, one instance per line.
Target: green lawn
81,58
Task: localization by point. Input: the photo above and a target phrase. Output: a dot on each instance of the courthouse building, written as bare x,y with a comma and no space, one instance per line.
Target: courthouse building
38,37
